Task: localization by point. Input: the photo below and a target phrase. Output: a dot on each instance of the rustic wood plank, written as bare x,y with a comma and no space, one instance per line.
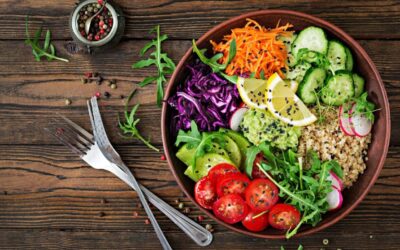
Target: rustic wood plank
56,239
33,92
361,19
49,187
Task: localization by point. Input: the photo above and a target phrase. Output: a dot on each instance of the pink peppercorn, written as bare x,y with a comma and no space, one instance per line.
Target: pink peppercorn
98,94
162,157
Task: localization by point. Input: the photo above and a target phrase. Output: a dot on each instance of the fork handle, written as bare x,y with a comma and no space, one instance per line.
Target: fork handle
197,233
135,185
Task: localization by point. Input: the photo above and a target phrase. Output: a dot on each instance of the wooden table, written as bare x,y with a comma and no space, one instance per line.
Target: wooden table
49,198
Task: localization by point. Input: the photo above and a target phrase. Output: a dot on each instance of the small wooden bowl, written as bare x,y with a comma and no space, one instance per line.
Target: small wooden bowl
363,65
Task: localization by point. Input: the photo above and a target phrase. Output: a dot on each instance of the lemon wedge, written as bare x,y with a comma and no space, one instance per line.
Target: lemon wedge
285,105
252,91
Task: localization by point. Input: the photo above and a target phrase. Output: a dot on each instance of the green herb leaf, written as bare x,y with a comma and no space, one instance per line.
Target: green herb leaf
192,137
147,80
365,107
129,125
251,154
37,51
161,60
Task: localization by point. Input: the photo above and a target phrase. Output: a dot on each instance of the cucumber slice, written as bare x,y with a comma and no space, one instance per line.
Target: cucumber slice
297,73
203,165
337,55
338,89
349,60
311,84
312,38
359,83
288,41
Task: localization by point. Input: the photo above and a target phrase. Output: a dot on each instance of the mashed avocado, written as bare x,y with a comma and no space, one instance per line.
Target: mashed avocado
259,126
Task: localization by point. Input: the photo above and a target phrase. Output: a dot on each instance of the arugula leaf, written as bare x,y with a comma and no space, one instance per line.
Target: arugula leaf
213,61
192,137
48,49
251,154
129,125
365,107
161,60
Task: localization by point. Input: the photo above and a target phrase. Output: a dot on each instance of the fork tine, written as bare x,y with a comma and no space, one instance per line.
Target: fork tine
71,135
75,130
78,128
57,132
98,122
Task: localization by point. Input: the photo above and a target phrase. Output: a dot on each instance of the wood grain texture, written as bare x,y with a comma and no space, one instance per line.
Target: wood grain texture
50,199
190,19
74,203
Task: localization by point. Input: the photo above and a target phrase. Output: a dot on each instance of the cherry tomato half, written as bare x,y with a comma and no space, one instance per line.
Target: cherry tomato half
230,208
205,193
256,222
261,195
232,183
256,172
284,216
221,169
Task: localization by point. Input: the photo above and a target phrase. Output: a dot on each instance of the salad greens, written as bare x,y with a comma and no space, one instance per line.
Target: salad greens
304,186
202,142
129,126
48,50
363,106
213,61
161,60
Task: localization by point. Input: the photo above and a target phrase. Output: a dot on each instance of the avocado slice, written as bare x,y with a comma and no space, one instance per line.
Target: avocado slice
240,140
204,163
186,155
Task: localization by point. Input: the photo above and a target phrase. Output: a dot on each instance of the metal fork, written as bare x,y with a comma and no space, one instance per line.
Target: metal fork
100,136
82,143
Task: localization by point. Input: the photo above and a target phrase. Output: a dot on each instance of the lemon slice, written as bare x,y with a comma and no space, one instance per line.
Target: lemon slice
252,91
292,84
285,105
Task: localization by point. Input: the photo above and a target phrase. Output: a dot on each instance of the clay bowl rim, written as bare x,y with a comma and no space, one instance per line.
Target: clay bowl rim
316,21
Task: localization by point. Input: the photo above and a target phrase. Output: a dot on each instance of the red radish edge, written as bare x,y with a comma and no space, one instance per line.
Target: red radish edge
360,125
336,181
344,123
236,118
334,199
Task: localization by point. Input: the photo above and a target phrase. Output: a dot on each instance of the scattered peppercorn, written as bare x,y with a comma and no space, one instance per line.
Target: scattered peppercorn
209,227
5,192
135,214
325,242
139,205
371,236
113,86
88,74
162,157
113,81
103,201
200,218
102,214
147,221
95,74
176,201
181,205
107,94
122,96
186,210
67,102
84,80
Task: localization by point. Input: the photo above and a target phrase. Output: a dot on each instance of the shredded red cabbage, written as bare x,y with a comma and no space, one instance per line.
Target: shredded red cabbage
204,97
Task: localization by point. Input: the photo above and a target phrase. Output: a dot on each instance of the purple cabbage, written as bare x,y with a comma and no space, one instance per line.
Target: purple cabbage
204,97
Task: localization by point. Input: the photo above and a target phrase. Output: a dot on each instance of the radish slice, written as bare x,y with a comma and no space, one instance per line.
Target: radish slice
335,199
360,125
236,118
344,122
336,181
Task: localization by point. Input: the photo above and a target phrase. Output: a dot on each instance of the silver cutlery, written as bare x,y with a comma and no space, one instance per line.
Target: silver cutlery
82,143
111,155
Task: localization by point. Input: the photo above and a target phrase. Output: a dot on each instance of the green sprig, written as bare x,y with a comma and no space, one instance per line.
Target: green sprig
48,50
161,60
129,125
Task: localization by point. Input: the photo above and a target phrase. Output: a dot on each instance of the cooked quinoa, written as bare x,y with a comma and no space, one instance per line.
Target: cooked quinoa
330,143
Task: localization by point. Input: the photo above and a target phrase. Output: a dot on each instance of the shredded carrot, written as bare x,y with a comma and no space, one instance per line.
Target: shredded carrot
257,49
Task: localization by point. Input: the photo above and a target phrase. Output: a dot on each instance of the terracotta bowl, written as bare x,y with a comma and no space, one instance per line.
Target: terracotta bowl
363,65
